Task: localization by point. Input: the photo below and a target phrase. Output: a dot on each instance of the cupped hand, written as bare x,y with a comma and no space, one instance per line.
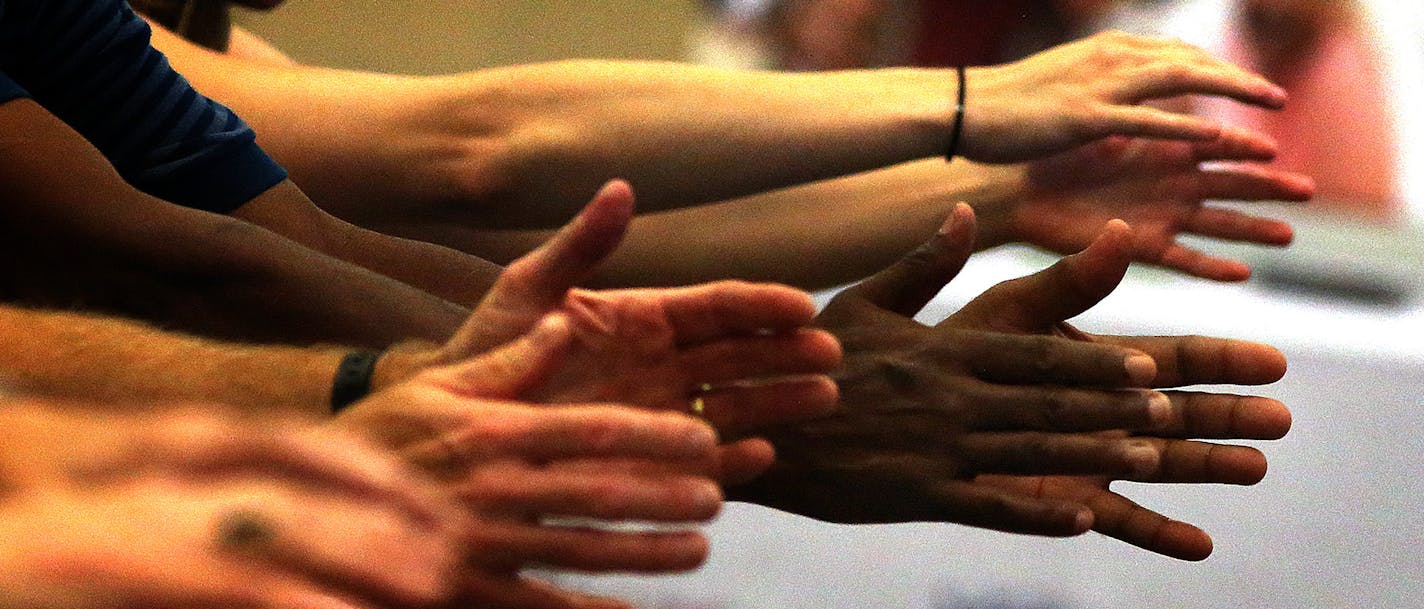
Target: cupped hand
529,473
657,348
1160,188
1093,88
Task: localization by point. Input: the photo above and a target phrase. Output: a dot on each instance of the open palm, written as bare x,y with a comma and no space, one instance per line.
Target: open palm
1160,188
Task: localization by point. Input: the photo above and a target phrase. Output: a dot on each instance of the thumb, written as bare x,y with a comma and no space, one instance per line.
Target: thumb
1062,291
907,285
514,368
537,283
576,250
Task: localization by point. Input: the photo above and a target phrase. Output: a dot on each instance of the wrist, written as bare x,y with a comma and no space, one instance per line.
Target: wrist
997,197
402,362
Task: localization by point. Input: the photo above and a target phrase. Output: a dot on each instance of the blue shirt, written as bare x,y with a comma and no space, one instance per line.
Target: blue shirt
89,63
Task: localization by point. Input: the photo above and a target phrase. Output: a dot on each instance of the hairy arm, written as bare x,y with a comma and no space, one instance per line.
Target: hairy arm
99,359
89,239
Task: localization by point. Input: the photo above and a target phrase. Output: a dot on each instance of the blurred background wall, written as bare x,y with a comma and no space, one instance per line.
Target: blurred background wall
438,36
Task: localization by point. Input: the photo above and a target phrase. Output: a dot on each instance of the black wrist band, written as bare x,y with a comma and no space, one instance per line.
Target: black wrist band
353,378
958,128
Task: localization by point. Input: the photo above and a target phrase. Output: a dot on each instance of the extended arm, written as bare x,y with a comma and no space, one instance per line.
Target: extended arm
88,238
523,146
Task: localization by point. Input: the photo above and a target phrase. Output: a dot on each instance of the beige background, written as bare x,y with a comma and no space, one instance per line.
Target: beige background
436,36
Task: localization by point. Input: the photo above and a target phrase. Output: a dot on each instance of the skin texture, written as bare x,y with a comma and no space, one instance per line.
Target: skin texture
1004,417
575,454
520,147
327,522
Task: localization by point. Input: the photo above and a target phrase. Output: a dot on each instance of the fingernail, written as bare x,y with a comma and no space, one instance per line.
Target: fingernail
1159,409
1144,461
1141,369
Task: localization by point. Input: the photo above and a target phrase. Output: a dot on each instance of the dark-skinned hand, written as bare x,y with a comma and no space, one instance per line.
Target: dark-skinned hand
1004,417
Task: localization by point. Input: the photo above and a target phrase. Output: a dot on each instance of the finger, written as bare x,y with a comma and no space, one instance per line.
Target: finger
607,431
991,508
538,282
1197,360
608,494
724,308
737,410
1149,122
513,368
511,544
1233,225
1172,77
1073,410
1048,360
1034,453
1115,515
1225,417
1185,461
744,460
733,463
1236,144
907,285
1252,183
513,591
804,351
543,276
1066,289
1197,263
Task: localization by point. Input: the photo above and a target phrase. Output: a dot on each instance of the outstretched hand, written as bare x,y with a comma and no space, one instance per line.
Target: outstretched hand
1160,188
655,348
945,423
1040,303
1083,91
516,465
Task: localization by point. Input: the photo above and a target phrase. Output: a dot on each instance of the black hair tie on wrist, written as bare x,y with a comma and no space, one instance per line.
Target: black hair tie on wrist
353,379
958,129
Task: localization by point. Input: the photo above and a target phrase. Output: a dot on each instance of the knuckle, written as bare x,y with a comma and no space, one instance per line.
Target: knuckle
900,374
1056,410
1042,356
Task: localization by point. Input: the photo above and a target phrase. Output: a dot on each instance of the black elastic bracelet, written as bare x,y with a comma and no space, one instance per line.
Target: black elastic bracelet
353,379
958,128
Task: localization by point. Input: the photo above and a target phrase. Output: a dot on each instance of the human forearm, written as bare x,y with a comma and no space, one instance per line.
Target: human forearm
108,360
90,240
813,236
526,145
444,272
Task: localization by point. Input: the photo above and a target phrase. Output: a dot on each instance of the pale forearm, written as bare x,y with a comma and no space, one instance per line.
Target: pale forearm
684,135
812,236
527,145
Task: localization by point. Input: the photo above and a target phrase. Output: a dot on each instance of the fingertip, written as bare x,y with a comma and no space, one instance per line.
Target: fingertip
615,193
958,227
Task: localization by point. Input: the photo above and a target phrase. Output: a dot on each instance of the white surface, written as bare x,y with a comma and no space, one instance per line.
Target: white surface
1336,524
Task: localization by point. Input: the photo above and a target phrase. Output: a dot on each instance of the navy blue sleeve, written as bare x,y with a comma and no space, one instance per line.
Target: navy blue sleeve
89,63
9,90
